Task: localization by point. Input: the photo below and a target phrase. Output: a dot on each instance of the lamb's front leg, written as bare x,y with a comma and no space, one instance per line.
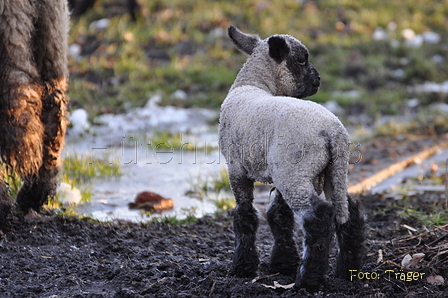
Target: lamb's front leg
245,224
284,256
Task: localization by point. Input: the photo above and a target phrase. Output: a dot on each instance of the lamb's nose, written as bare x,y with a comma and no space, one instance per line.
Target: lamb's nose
316,82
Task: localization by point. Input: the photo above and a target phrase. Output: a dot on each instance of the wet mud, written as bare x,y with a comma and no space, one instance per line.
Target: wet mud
61,256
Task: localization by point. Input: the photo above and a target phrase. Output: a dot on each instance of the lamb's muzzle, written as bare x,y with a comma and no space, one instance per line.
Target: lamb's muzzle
268,134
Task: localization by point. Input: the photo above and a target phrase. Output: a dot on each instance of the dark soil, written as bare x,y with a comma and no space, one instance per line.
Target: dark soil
61,256
70,257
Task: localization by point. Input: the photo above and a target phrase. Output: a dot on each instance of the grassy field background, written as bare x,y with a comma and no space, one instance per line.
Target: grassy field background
183,45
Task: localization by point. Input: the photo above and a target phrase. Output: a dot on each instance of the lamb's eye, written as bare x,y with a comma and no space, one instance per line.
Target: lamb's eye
303,61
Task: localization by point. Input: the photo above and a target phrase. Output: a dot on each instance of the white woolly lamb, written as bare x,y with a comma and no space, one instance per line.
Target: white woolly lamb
267,134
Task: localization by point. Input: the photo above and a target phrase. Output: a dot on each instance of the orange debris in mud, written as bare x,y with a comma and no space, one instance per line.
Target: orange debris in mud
151,201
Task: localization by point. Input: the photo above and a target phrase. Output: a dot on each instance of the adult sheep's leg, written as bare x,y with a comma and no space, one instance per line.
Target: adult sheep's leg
37,189
284,256
50,51
21,128
6,204
351,241
245,224
318,227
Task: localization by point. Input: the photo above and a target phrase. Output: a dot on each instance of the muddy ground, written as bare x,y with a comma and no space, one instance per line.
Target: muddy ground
60,256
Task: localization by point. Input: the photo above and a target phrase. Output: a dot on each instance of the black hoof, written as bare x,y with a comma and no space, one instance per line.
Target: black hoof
245,269
245,261
284,260
312,284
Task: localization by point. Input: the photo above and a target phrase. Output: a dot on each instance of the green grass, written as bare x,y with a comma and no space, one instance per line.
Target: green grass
171,47
437,217
78,171
163,140
190,218
201,186
12,179
177,141
426,121
83,168
429,210
412,209
225,204
214,188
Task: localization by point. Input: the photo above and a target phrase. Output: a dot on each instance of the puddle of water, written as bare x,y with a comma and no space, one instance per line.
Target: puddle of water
166,172
412,172
145,166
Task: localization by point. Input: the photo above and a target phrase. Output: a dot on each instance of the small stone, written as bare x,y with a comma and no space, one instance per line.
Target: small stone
379,34
392,26
415,42
408,34
436,280
409,262
179,95
437,59
431,37
75,50
398,73
412,103
394,43
100,24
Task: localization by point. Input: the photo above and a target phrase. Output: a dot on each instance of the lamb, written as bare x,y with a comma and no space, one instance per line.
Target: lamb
268,134
33,80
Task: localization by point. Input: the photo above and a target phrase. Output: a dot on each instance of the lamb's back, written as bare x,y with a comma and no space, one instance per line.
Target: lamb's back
249,109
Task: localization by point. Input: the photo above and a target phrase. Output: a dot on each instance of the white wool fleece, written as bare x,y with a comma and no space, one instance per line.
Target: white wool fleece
286,141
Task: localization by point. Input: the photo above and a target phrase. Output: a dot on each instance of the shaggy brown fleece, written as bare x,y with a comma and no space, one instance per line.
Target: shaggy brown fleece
33,80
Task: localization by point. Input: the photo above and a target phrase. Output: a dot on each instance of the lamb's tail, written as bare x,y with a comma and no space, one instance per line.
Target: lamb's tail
336,182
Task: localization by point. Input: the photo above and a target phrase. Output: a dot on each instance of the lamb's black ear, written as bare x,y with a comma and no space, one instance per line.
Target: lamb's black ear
278,48
244,42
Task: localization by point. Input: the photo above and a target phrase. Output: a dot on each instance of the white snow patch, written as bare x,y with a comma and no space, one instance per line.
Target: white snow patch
432,87
154,117
79,120
68,196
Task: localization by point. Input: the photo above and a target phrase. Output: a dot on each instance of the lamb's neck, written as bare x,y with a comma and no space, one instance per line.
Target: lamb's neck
258,75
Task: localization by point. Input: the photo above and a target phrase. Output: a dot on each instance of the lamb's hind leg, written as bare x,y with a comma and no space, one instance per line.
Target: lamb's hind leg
351,241
284,256
318,225
245,224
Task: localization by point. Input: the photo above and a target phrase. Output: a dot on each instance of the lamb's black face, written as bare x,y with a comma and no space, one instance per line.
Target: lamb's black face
300,79
307,79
